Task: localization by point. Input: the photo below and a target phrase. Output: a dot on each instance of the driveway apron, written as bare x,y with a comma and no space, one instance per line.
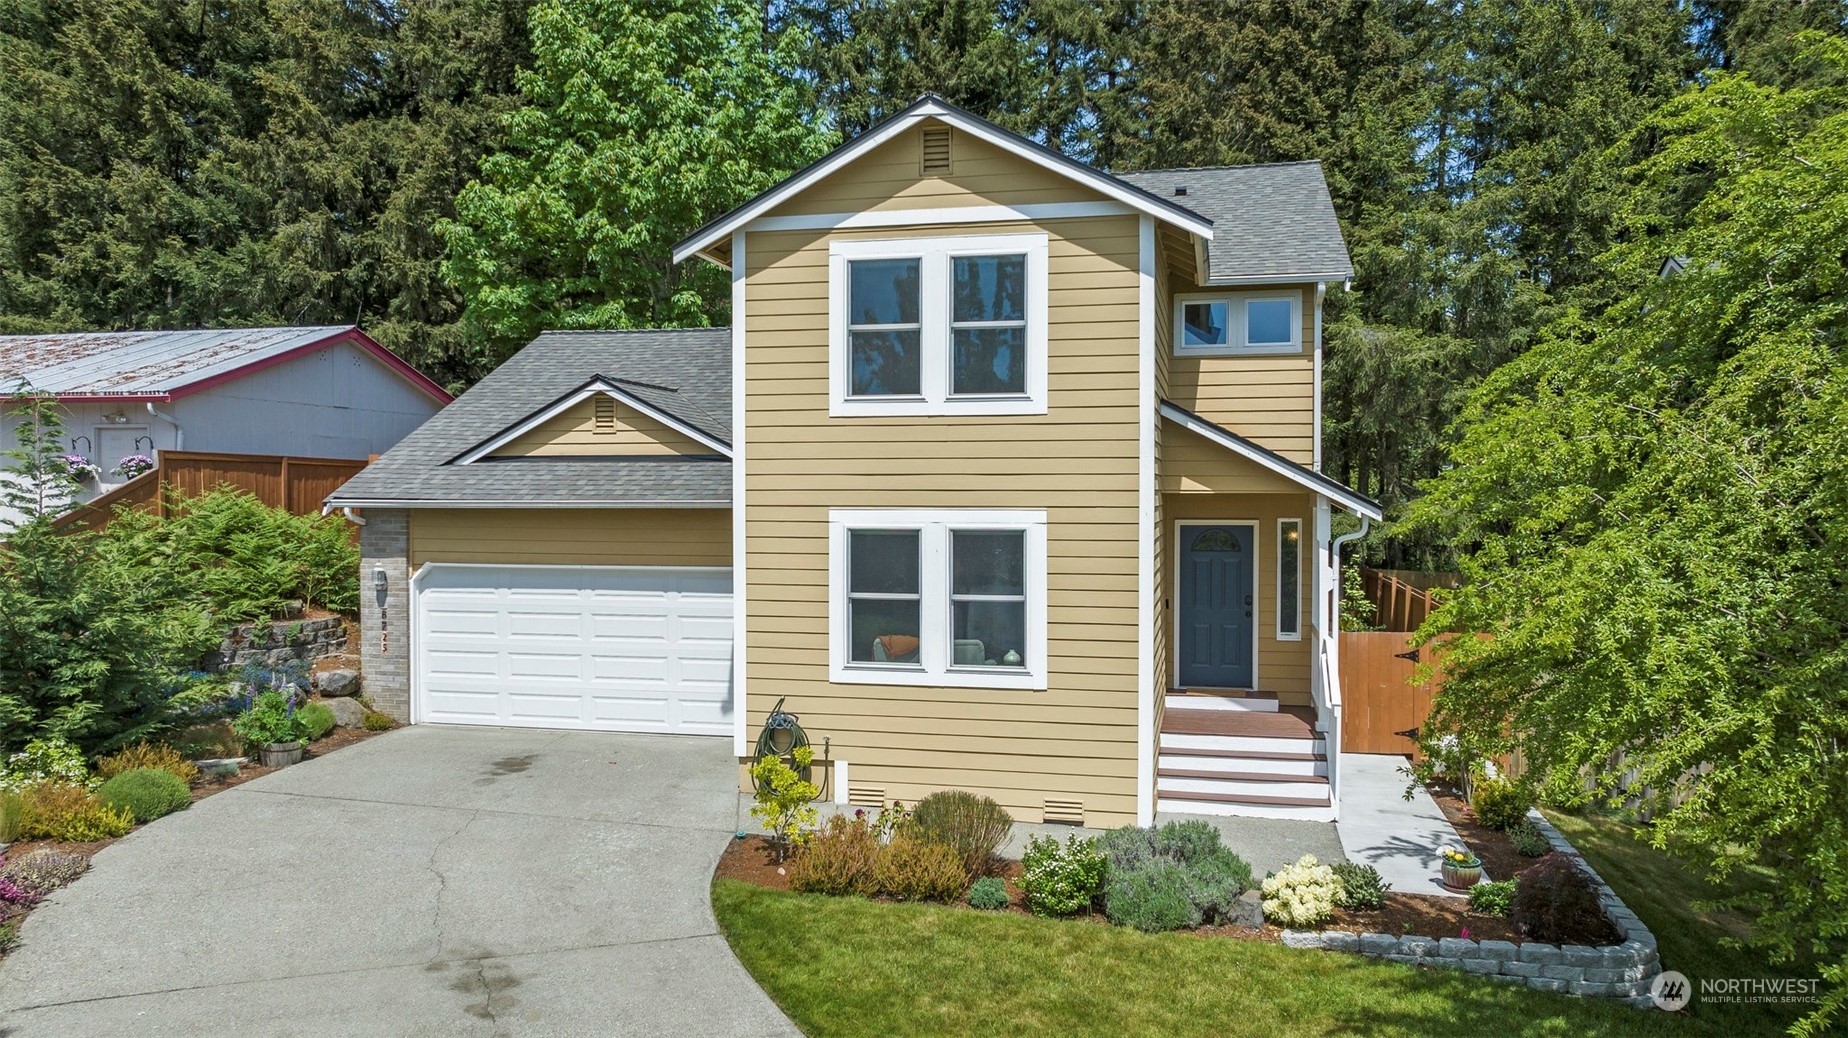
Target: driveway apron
432,881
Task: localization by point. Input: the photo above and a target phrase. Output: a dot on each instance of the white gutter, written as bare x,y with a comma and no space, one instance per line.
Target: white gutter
348,512
179,434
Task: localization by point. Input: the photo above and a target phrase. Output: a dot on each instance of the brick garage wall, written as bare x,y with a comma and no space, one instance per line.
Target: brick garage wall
1622,971
385,614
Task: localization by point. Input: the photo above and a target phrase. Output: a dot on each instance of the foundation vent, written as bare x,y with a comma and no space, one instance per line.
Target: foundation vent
605,414
936,151
1070,812
870,797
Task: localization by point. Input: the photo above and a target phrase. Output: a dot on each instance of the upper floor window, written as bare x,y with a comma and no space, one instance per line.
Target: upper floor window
1243,322
938,325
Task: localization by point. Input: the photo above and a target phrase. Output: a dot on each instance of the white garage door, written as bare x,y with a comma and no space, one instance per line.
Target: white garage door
600,648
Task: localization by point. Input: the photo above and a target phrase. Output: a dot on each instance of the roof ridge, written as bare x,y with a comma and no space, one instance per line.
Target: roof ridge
550,332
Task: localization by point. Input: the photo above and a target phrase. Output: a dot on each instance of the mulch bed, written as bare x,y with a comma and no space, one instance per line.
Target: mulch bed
1499,858
1425,915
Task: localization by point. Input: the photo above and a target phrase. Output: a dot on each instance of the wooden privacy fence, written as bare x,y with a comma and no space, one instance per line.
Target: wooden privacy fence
1378,698
1399,604
297,484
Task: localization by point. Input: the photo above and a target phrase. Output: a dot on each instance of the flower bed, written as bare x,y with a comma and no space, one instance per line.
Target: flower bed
1621,970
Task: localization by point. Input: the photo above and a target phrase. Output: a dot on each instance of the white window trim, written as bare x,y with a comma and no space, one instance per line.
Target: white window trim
1237,325
934,668
934,311
1296,635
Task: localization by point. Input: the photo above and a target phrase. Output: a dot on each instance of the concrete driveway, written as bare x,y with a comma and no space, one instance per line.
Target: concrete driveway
433,881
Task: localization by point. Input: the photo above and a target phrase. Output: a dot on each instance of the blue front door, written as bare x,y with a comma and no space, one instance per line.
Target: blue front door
1215,606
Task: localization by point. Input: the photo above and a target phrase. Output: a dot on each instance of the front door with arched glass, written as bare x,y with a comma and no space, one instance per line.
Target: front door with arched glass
1215,607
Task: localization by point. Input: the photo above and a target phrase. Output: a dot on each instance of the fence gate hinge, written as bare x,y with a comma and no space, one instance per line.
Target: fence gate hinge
1410,654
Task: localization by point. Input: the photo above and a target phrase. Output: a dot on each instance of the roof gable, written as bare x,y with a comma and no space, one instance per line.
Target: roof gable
702,241
1336,491
644,421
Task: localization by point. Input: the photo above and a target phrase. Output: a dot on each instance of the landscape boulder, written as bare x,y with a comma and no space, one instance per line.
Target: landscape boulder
348,713
333,683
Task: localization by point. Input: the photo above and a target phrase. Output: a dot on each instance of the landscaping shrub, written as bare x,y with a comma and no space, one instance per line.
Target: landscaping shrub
12,815
317,720
148,755
1492,898
1212,877
785,803
838,859
9,936
271,719
1152,897
13,895
912,869
989,894
375,721
44,870
71,813
44,760
972,825
1529,840
1302,894
1361,885
1062,878
243,557
1555,902
1499,803
145,793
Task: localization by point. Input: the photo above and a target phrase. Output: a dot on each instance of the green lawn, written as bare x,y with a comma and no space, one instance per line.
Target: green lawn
1662,890
845,966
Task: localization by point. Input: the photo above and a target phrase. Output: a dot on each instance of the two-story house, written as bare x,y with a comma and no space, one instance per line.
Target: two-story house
1004,478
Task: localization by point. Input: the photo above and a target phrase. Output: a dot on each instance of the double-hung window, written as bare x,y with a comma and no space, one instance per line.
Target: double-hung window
947,597
1240,322
938,325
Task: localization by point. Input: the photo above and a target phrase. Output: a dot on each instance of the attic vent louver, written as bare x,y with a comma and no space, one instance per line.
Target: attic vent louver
1181,192
936,161
605,414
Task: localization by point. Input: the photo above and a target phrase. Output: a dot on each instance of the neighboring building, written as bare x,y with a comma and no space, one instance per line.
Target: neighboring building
1005,478
328,392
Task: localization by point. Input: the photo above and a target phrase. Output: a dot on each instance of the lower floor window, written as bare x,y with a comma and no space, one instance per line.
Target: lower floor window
947,597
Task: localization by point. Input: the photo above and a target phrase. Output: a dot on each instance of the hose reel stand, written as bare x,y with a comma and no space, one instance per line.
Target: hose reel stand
781,736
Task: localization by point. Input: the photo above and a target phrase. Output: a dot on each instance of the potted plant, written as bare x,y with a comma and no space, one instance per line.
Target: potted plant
78,467
1461,869
134,465
271,724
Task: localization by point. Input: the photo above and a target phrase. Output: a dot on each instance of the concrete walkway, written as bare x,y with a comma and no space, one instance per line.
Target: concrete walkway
433,881
1379,827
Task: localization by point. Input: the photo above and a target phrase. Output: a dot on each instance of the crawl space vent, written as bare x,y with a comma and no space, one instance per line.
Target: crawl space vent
936,151
866,796
1068,811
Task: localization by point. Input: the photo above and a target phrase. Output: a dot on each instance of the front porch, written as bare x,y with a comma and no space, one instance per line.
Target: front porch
1241,754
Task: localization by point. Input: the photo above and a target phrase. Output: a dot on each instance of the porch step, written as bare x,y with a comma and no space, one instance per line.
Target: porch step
1308,809
1260,745
1285,723
1230,762
1242,785
1177,700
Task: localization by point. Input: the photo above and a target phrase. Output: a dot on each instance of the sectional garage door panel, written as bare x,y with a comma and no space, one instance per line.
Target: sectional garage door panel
599,648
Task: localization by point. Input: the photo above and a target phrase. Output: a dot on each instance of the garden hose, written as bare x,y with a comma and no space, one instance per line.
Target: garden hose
781,736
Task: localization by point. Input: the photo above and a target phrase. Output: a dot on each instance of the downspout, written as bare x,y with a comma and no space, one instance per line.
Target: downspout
1331,664
346,511
179,434
1334,546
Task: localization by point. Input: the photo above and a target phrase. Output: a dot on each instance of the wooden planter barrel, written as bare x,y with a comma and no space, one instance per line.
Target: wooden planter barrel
281,754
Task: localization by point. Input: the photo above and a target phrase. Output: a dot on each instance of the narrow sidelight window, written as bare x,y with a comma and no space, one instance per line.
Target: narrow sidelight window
1289,579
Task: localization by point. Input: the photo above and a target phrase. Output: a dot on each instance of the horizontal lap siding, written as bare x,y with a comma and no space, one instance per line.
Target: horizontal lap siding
573,536
1078,462
1283,666
574,433
1269,399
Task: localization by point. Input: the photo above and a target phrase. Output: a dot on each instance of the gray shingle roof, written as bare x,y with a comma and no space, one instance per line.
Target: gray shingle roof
144,363
1272,220
685,372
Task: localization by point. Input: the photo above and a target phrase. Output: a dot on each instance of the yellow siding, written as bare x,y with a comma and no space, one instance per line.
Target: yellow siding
1078,462
1283,666
887,178
1269,398
573,536
1191,464
574,433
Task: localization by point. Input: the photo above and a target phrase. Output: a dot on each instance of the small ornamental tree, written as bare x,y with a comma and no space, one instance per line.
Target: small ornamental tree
785,803
37,481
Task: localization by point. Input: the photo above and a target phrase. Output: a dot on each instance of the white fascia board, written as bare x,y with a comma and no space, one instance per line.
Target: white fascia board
598,386
1322,485
1031,213
1102,183
431,503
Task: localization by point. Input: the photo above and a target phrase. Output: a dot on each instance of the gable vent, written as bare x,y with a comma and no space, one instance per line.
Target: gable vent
605,414
936,151
872,797
1068,811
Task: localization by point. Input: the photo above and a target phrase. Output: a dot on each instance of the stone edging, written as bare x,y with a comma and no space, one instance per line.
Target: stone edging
1623,971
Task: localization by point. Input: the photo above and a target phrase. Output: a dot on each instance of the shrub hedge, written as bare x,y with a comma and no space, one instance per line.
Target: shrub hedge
71,813
912,869
145,793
